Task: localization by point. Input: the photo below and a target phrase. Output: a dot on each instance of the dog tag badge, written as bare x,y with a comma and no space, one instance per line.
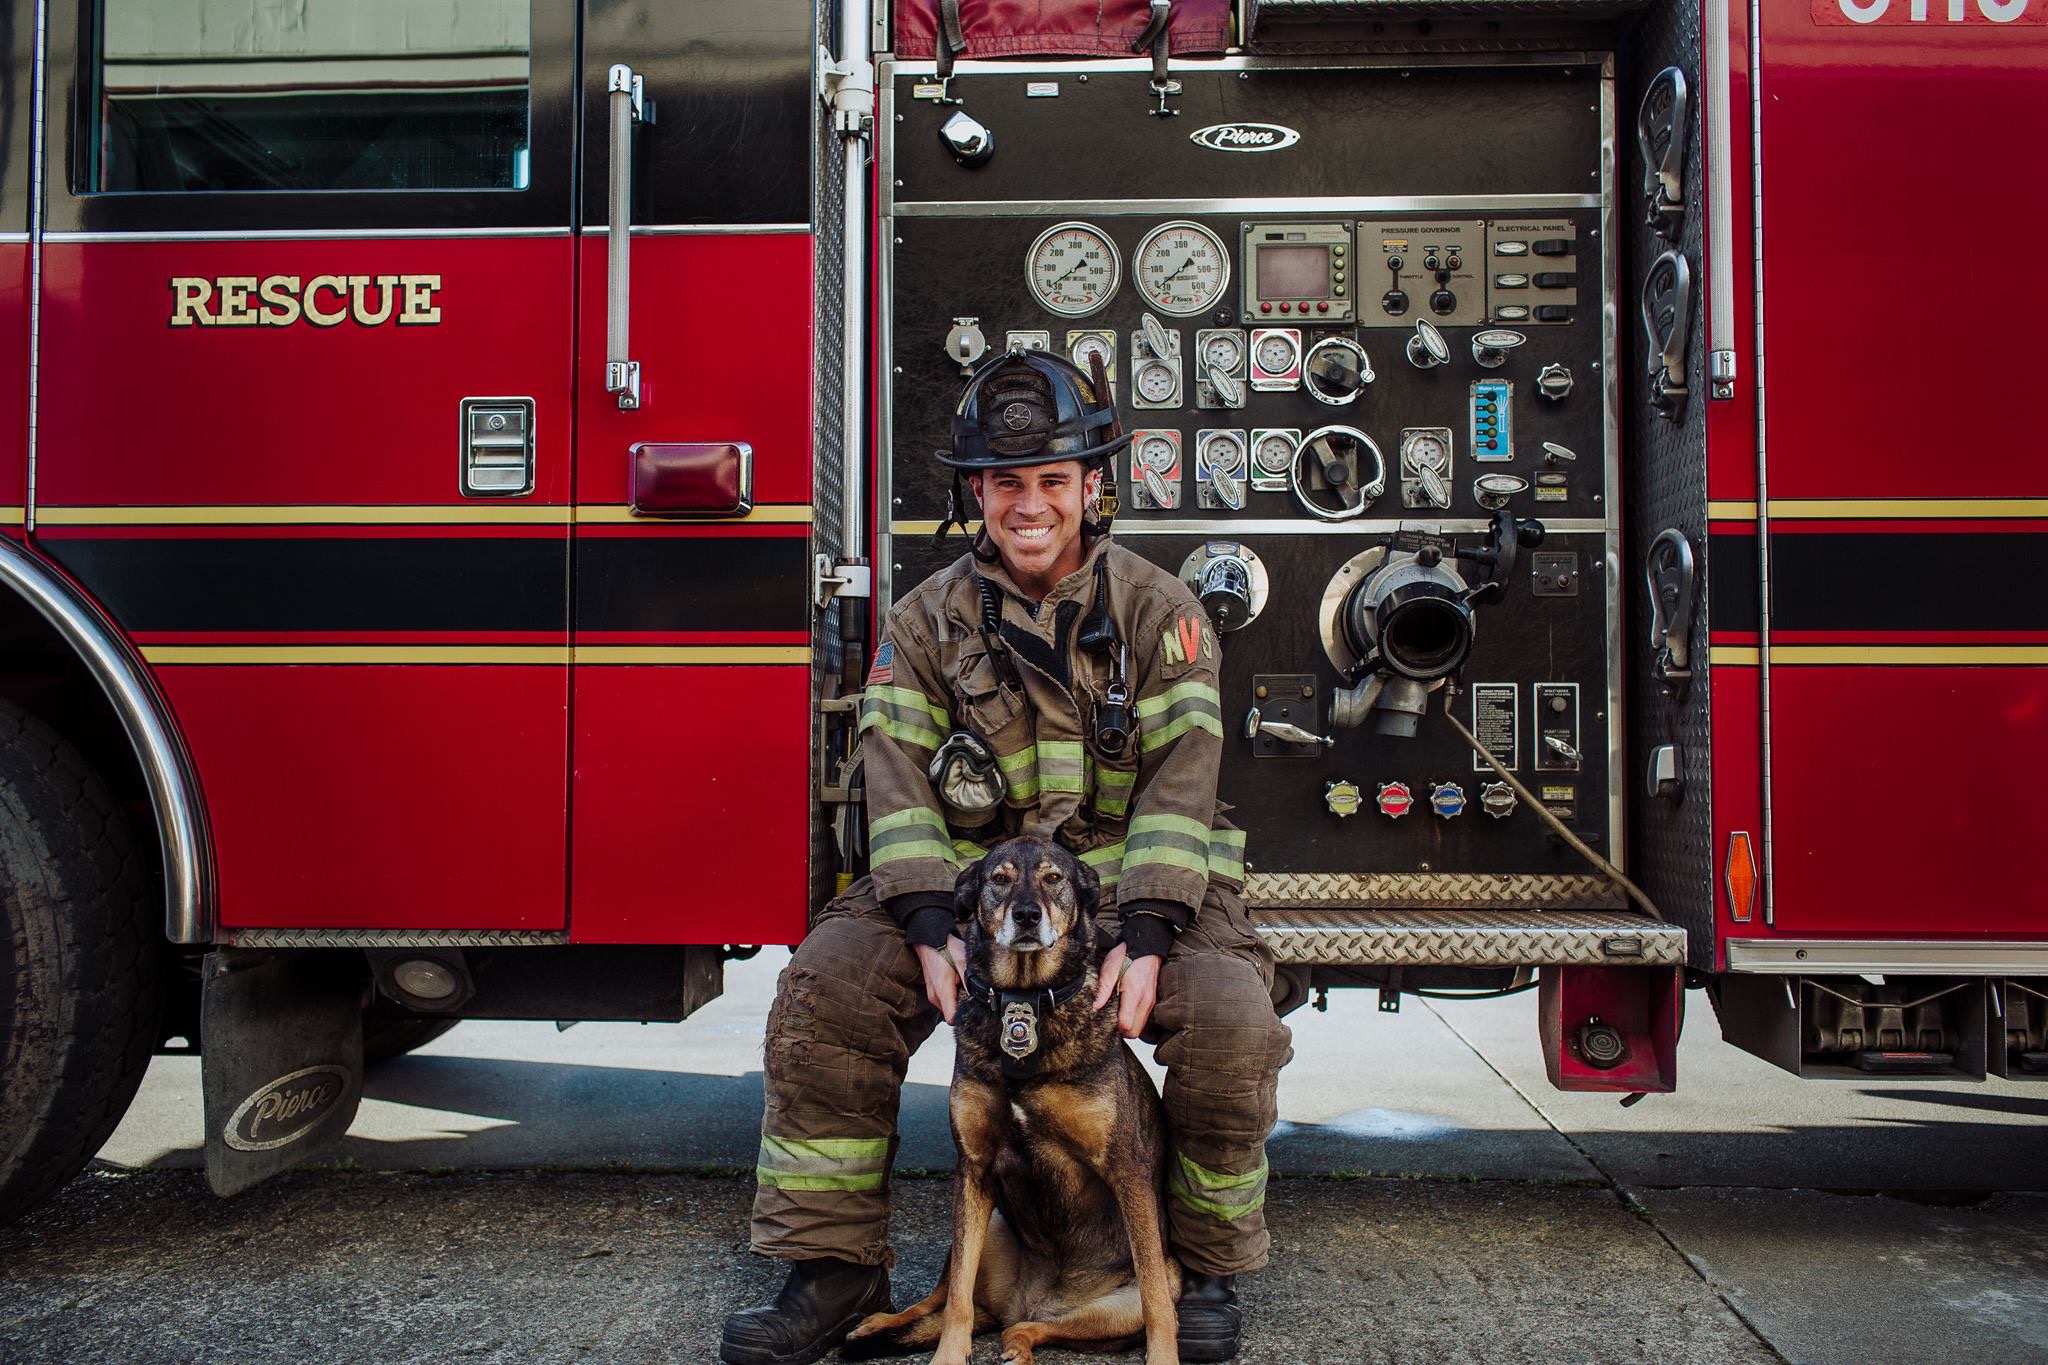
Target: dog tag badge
1019,1034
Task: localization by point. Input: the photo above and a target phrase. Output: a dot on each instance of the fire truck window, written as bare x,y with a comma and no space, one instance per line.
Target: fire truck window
196,95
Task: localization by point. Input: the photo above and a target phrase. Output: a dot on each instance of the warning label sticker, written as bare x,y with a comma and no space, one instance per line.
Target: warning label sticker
1496,723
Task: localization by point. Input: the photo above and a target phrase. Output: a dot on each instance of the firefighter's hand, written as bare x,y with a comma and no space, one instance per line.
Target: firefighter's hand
1136,986
942,973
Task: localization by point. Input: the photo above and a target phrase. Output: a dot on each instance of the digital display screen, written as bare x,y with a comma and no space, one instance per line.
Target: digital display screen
1294,272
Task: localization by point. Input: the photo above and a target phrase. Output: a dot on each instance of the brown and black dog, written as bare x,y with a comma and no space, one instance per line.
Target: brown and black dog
1058,1235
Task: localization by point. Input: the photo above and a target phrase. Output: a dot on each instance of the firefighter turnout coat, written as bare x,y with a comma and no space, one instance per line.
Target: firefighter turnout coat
850,1008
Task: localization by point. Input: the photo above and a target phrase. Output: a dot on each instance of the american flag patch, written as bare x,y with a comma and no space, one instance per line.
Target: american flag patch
884,667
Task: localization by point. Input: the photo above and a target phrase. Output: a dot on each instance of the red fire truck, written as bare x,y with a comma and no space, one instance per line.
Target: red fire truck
460,453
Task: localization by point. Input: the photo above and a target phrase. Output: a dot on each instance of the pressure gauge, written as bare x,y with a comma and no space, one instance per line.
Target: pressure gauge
1155,451
1220,469
1276,352
1081,345
1224,350
1426,467
1222,450
1155,469
1157,383
1273,452
1073,269
1181,268
1425,448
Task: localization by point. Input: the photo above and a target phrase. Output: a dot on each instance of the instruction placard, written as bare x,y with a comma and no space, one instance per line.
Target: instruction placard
1496,721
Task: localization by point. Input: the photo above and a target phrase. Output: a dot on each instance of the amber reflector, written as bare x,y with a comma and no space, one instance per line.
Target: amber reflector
1741,876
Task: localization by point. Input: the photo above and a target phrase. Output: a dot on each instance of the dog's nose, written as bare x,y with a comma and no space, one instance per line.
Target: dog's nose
1026,916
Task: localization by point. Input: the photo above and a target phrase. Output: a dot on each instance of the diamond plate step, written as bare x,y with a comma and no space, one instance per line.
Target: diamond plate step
1470,938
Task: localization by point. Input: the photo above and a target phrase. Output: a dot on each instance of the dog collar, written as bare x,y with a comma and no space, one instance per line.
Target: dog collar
1016,1014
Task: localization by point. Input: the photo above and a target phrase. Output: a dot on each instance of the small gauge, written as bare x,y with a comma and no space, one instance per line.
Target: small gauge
1425,451
1155,453
1274,453
1181,268
1073,269
1084,344
1223,450
1276,353
1157,382
1224,350
1492,491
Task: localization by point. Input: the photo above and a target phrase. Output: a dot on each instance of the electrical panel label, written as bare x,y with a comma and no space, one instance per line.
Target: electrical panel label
1557,726
1496,720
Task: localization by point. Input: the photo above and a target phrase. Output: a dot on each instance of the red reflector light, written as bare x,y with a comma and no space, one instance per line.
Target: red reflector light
1741,876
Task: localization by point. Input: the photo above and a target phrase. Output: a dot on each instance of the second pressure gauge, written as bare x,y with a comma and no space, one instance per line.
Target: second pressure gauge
1181,268
1073,269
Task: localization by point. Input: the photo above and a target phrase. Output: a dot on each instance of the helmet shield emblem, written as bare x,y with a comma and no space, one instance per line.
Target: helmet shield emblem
1016,416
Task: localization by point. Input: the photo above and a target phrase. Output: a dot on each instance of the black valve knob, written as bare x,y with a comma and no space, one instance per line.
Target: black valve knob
1443,301
1395,302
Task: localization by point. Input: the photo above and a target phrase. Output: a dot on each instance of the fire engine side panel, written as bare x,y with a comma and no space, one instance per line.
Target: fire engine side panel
14,286
1907,642
379,798
14,271
691,734
1732,606
692,720
252,440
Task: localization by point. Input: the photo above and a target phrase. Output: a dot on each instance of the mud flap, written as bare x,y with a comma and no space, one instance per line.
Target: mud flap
1611,1028
281,1059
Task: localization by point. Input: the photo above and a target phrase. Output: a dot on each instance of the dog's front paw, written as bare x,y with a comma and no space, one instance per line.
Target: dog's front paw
871,1324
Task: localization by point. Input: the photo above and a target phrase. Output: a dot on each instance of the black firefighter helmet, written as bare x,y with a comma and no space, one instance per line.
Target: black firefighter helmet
1030,408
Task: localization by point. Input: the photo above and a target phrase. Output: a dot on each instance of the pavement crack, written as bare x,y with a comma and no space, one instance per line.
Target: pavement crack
1621,1195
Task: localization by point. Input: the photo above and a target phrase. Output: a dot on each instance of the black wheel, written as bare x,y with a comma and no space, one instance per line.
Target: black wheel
388,1036
81,963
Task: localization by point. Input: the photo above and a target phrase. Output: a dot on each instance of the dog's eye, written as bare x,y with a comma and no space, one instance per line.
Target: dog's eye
1052,877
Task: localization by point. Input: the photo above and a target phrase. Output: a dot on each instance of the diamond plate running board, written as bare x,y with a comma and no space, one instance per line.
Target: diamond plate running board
1470,938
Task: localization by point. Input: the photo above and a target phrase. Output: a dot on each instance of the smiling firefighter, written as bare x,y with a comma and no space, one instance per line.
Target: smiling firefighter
1048,683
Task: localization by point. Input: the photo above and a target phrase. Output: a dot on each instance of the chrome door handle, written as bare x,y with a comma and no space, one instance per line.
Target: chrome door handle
497,447
628,106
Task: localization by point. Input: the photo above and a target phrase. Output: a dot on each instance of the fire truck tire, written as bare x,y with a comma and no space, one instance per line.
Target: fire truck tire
82,963
385,1037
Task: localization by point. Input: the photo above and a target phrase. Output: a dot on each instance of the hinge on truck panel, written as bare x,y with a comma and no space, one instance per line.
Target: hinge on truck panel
848,90
839,578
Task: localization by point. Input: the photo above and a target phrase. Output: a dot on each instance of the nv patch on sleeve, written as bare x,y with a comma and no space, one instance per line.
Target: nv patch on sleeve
1188,639
884,667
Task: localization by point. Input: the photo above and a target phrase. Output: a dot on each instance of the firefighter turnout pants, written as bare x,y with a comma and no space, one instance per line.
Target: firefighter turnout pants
850,1010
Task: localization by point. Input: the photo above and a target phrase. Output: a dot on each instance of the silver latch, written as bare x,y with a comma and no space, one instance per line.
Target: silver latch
497,447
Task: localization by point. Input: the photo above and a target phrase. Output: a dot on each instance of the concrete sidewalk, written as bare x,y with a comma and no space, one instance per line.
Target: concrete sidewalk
514,1192
552,1266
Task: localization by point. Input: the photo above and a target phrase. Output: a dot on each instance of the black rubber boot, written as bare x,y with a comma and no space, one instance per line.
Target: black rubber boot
820,1302
1209,1320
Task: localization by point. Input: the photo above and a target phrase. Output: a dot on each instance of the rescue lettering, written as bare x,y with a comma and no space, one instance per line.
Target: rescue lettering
319,300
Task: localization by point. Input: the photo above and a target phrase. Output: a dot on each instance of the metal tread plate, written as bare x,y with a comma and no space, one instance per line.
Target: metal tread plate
1431,890
1470,938
395,938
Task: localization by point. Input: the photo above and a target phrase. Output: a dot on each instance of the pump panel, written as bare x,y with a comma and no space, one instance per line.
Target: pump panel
1369,360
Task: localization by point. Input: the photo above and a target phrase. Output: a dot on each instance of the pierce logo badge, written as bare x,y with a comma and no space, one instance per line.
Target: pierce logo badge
1244,137
286,1109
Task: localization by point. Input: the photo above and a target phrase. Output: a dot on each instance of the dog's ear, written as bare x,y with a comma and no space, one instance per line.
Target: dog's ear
967,889
1087,889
